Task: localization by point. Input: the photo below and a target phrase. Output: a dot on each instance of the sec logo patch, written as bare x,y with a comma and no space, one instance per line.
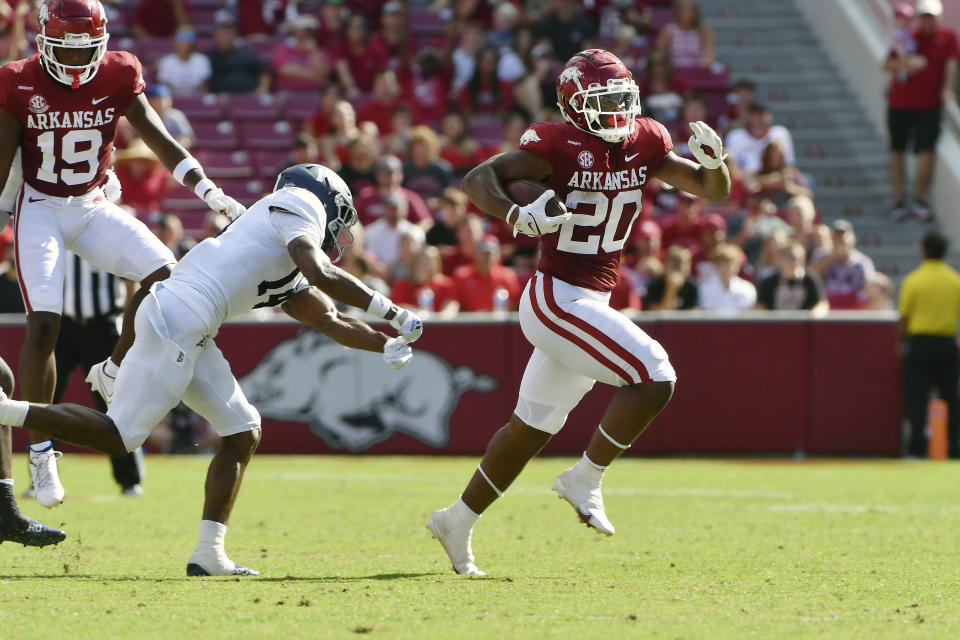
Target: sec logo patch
585,159
38,104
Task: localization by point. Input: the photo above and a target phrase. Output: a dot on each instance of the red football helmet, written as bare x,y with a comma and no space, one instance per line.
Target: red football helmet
72,24
597,94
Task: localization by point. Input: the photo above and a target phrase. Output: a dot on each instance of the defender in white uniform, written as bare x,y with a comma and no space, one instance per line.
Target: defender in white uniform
269,256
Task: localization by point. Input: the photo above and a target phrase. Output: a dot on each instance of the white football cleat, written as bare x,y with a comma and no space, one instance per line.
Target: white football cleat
46,480
214,563
455,537
583,494
101,382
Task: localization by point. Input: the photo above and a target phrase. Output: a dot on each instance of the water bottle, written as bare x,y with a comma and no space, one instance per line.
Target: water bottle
425,299
501,301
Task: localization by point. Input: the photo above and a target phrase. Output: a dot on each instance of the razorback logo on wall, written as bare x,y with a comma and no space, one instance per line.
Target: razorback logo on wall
351,400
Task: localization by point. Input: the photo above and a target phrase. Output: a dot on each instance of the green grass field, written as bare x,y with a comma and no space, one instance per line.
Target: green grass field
704,549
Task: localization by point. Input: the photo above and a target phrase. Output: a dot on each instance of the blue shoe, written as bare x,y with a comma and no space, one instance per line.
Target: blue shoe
16,527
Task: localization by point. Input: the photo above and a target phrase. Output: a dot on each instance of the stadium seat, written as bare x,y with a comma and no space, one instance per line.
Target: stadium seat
253,107
271,162
485,130
216,135
268,135
660,17
300,106
703,79
208,107
203,19
149,50
425,22
227,164
179,198
246,191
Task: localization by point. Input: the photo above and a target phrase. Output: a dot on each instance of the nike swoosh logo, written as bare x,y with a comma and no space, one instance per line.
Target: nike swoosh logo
99,100
629,158
35,199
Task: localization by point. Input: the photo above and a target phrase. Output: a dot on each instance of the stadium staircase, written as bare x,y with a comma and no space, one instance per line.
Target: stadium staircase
770,43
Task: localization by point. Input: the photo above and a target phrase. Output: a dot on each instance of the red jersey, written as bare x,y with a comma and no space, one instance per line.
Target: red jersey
602,184
67,137
476,291
924,89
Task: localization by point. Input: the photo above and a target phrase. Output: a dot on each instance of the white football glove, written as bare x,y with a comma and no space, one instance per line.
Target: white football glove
407,324
532,219
704,136
220,202
112,190
397,353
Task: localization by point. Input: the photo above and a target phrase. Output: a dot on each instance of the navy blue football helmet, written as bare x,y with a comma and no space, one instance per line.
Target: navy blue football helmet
335,195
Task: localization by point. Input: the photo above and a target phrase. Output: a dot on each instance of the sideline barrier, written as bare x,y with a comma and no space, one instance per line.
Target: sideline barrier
761,383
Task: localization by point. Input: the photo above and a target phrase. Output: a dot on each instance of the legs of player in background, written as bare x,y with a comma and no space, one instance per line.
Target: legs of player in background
38,378
223,483
14,526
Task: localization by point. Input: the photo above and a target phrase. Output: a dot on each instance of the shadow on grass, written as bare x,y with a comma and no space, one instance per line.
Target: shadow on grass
99,578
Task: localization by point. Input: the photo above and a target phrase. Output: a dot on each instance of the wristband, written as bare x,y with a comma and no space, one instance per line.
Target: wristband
510,212
203,187
380,305
184,167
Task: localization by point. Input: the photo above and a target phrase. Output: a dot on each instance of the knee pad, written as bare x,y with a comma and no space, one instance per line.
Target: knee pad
542,417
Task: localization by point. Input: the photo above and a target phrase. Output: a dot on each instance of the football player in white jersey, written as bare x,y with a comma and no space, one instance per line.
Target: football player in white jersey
274,254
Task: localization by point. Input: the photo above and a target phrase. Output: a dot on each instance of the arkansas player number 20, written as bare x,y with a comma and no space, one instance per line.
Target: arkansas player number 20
604,210
77,146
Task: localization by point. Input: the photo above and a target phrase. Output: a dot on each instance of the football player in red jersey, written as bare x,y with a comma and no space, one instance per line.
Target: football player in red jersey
598,163
59,109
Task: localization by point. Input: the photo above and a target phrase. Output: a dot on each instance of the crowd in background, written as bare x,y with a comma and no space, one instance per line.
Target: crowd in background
403,98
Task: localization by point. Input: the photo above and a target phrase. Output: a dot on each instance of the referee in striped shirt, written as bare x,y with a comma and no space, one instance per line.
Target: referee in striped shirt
93,304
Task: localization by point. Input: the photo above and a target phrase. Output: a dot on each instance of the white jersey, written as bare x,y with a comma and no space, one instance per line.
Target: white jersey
247,265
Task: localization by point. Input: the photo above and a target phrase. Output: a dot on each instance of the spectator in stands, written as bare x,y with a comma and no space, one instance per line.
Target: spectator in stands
919,84
685,227
751,230
298,64
624,296
411,242
625,46
427,288
333,16
362,264
844,269
234,69
675,289
776,179
13,22
726,293
10,299
469,233
662,94
879,293
565,28
357,170
746,145
769,259
929,314
451,210
514,124
794,287
694,110
174,120
504,38
357,58
425,172
388,176
426,85
142,178
213,225
394,36
320,123
169,229
184,70
464,57
334,134
383,237
481,285
305,150
458,148
801,215
402,124
485,92
646,240
687,41
158,18
386,99
258,19
735,117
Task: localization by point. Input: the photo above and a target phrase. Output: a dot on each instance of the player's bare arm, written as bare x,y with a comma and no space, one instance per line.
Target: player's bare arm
691,177
484,183
10,131
340,285
314,309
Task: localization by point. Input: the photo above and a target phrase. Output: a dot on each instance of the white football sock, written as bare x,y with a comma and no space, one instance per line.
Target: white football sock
589,467
463,513
40,446
13,412
8,481
210,553
111,368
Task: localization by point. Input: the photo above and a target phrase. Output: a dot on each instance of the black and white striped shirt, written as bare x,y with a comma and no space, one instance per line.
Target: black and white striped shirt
88,292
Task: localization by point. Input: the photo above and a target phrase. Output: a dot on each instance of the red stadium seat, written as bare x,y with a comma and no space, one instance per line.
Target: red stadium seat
208,107
485,130
300,105
703,79
660,17
227,164
425,22
253,107
271,162
150,50
203,18
216,135
268,135
179,198
246,191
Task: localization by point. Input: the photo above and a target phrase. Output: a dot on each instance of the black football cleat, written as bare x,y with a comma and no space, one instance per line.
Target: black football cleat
195,570
16,527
